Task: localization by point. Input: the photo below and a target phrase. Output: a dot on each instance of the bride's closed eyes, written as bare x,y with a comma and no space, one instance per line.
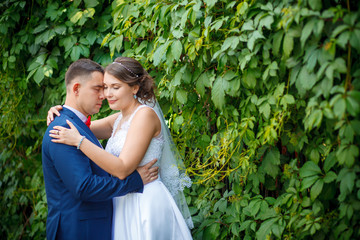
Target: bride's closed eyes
112,86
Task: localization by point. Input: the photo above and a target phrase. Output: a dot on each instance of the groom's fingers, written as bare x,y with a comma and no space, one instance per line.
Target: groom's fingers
153,171
150,164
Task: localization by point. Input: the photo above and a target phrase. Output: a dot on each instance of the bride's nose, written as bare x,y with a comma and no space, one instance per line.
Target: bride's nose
107,92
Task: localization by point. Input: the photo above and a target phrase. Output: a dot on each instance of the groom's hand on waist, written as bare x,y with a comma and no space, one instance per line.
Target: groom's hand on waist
148,173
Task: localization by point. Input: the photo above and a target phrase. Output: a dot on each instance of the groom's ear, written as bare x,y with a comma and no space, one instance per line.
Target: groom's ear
76,88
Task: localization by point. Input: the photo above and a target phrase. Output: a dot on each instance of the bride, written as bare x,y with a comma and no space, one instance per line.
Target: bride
137,134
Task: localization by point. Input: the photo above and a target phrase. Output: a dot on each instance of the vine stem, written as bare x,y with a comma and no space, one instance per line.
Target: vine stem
348,74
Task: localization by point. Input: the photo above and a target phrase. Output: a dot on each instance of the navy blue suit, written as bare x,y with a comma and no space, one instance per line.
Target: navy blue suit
79,193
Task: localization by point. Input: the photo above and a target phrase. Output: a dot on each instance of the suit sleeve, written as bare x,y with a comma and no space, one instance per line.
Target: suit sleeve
75,171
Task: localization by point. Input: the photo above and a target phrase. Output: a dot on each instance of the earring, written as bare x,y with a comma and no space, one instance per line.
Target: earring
135,97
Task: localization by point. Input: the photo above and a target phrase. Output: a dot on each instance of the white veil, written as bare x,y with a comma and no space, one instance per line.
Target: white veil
172,169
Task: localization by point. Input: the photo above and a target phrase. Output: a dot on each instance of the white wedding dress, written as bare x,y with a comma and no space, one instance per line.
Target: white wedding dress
153,214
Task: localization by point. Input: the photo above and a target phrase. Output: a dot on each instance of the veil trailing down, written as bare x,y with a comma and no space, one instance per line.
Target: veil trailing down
172,168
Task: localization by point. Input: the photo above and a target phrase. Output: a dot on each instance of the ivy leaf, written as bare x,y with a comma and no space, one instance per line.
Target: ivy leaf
329,177
266,22
271,162
330,161
218,92
309,169
347,154
76,16
221,205
306,31
205,80
48,71
265,109
315,4
181,96
210,3
176,49
253,37
316,189
160,53
314,119
339,107
232,42
88,13
178,122
265,228
91,3
212,232
33,65
178,33
91,37
308,182
277,40
305,81
68,42
75,53
39,75
249,25
117,44
41,27
354,39
287,99
346,178
288,44
353,102
249,78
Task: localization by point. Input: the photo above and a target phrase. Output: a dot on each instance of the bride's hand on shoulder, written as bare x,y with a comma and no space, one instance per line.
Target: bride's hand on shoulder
52,112
69,136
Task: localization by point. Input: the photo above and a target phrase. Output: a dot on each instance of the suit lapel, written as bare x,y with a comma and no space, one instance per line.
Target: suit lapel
85,131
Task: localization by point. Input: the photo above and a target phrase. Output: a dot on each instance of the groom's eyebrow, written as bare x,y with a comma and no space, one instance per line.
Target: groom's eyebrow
98,86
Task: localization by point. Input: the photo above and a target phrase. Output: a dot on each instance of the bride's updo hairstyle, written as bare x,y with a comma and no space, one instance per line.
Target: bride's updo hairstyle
130,71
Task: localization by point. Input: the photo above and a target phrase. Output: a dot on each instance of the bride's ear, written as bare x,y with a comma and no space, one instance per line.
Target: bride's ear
135,89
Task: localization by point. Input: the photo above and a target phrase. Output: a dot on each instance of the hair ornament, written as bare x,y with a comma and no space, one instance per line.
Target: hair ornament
127,68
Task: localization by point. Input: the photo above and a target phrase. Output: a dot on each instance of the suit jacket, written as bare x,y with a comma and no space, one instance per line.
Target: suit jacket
79,193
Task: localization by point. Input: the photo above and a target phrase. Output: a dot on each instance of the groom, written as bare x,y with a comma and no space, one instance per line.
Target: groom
79,193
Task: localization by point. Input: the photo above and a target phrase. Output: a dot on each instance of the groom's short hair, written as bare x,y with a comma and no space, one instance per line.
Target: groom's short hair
82,68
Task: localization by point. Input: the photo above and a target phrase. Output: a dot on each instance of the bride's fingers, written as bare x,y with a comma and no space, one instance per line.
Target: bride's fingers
70,124
60,128
54,132
55,136
56,109
57,140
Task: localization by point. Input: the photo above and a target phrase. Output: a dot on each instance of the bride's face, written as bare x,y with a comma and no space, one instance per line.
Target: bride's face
119,94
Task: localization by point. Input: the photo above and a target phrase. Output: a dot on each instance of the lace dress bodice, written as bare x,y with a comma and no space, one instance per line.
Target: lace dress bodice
116,142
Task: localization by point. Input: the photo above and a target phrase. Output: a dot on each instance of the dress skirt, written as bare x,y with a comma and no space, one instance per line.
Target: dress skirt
151,215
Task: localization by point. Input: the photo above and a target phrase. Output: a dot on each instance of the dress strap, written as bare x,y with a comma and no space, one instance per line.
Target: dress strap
116,124
137,109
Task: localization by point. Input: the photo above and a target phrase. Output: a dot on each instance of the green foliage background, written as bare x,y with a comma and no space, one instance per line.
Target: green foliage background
262,98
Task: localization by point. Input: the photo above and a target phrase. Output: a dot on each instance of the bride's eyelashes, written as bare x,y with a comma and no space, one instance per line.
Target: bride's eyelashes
115,87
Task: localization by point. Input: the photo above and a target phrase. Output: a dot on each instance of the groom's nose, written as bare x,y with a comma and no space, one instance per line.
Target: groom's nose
101,94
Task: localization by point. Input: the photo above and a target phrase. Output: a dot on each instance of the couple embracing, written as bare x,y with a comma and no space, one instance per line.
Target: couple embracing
132,190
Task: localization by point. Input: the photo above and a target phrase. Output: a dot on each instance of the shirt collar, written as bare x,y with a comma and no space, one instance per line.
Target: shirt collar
78,113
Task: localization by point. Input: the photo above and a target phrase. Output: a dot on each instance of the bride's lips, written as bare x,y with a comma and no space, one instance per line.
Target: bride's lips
111,101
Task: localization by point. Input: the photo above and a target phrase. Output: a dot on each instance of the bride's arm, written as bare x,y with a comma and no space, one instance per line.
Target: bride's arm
102,128
145,124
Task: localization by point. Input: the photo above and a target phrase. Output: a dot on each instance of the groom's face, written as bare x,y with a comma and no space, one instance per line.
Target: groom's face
91,94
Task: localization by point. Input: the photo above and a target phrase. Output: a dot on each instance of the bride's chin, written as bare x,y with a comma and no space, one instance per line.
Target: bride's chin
114,108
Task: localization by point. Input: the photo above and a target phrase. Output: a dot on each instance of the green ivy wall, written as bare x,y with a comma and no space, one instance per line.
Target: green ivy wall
262,97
